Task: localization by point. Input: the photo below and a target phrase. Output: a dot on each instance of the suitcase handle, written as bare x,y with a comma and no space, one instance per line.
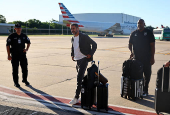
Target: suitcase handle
98,72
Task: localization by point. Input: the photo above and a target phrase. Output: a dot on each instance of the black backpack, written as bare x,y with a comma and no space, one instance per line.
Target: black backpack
132,69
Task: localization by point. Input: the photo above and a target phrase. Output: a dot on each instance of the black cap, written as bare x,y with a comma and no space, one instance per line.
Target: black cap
17,25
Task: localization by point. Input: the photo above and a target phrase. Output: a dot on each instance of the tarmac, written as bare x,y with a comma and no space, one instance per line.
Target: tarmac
52,75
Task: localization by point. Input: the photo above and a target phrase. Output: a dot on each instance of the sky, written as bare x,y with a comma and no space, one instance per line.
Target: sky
154,12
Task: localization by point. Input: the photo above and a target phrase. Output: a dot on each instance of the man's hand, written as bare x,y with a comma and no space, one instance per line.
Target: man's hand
25,50
9,58
88,56
152,61
72,58
131,55
167,64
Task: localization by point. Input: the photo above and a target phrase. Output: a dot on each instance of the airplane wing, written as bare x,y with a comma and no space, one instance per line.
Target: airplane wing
116,28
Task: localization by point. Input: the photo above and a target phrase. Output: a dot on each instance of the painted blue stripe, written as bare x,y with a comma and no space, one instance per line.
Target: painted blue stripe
71,17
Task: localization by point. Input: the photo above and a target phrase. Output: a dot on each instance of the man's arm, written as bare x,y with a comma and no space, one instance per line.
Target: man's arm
152,45
167,64
25,50
94,47
8,52
130,48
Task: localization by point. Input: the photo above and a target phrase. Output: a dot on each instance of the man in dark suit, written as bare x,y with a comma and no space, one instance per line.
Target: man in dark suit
83,48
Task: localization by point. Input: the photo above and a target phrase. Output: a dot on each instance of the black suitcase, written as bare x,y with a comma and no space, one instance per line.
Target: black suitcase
101,94
102,97
88,87
87,97
132,69
162,95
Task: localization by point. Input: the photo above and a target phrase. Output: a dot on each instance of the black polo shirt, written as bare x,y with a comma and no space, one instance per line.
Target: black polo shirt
141,44
17,43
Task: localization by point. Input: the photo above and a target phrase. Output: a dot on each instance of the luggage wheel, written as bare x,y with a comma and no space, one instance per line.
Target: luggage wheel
157,112
106,109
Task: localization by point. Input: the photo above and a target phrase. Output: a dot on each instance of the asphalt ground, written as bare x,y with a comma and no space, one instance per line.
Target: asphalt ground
52,72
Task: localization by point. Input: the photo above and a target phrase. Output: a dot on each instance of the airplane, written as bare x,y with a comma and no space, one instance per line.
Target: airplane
104,28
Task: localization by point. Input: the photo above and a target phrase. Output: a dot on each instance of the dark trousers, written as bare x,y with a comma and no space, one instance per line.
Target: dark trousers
22,59
147,75
81,68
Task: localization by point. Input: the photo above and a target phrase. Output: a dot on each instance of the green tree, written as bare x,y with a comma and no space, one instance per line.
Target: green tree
2,19
20,22
34,23
150,28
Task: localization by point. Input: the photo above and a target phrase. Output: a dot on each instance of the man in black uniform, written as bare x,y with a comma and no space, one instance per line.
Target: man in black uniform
143,42
17,54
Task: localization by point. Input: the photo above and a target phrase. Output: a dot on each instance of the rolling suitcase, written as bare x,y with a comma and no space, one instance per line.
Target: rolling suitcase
87,94
132,79
88,86
101,94
162,92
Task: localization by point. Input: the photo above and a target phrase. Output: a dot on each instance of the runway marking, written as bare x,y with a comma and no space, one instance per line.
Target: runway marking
62,100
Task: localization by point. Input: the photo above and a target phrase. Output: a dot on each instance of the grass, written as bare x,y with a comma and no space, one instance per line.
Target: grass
58,35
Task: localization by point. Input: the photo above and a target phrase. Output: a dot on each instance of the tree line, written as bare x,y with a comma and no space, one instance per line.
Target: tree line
35,26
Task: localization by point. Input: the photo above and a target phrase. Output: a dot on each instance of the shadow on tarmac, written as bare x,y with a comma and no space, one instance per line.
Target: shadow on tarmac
146,101
50,98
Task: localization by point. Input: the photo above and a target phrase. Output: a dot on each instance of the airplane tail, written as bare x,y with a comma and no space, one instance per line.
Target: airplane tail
67,16
162,26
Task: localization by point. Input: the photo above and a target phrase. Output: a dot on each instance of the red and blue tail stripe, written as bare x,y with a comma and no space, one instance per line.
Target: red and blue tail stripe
67,15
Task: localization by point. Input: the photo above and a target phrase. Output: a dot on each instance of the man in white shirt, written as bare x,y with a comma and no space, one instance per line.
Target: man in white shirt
83,48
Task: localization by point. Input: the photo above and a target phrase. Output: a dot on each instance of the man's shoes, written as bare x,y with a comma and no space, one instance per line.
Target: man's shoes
145,94
17,85
26,82
74,101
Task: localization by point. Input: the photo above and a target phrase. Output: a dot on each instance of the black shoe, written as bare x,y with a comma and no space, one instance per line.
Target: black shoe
16,85
26,82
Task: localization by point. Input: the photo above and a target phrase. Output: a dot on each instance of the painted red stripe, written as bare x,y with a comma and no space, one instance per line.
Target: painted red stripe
81,26
166,37
65,17
59,3
68,25
66,101
61,8
73,21
63,12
